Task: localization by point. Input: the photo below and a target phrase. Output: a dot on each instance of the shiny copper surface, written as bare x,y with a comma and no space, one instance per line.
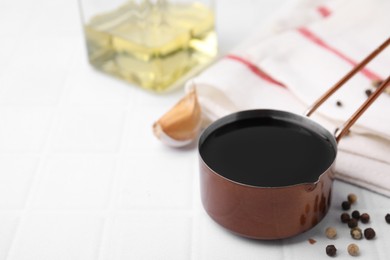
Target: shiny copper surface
265,213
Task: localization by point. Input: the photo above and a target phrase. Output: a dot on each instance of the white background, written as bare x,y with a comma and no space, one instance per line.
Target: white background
82,176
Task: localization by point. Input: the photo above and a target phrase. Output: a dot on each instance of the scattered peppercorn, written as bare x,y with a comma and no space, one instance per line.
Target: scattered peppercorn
331,250
387,218
368,92
365,218
352,198
355,214
330,232
377,83
338,103
369,233
356,233
352,223
345,217
346,205
353,250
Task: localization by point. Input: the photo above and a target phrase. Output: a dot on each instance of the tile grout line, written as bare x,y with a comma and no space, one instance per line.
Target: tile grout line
194,236
108,222
39,171
33,186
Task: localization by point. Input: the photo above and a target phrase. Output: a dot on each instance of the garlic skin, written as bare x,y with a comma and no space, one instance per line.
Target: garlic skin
180,125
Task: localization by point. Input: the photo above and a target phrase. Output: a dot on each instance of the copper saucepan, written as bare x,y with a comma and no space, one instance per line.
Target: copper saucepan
268,174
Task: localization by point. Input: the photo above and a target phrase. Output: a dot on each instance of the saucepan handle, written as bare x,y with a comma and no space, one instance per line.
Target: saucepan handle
341,131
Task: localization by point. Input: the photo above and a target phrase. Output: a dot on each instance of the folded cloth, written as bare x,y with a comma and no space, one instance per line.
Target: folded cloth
294,59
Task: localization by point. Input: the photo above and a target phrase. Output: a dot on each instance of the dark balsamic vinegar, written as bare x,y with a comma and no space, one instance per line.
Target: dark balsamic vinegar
267,152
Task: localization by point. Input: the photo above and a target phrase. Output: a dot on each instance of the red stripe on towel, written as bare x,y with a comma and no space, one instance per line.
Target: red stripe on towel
255,69
324,11
315,39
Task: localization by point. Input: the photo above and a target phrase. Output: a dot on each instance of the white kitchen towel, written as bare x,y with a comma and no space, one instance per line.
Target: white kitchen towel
294,59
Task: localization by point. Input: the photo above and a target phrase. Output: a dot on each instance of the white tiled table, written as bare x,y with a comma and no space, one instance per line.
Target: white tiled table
81,175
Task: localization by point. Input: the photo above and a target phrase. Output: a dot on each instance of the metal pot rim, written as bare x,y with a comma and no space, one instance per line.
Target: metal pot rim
285,116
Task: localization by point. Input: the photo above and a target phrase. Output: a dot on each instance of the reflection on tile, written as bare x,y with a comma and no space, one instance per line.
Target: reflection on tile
91,87
215,242
147,99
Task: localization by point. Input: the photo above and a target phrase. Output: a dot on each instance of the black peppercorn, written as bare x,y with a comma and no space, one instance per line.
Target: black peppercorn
356,214
346,205
369,233
368,92
387,218
331,250
352,223
365,218
378,83
345,217
338,103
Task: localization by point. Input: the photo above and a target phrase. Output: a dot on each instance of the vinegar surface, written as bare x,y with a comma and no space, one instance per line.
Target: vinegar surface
267,153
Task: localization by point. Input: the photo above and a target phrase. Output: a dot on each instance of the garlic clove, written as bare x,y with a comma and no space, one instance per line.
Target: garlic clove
180,125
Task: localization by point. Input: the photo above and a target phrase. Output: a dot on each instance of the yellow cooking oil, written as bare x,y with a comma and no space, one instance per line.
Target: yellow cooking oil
154,45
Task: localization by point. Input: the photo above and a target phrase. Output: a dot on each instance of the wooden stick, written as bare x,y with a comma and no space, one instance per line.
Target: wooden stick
341,131
349,75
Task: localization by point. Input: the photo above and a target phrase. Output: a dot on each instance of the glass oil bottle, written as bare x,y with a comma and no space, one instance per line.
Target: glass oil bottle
155,44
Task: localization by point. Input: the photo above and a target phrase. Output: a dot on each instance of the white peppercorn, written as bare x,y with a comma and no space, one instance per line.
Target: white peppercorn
352,198
330,232
353,250
356,233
